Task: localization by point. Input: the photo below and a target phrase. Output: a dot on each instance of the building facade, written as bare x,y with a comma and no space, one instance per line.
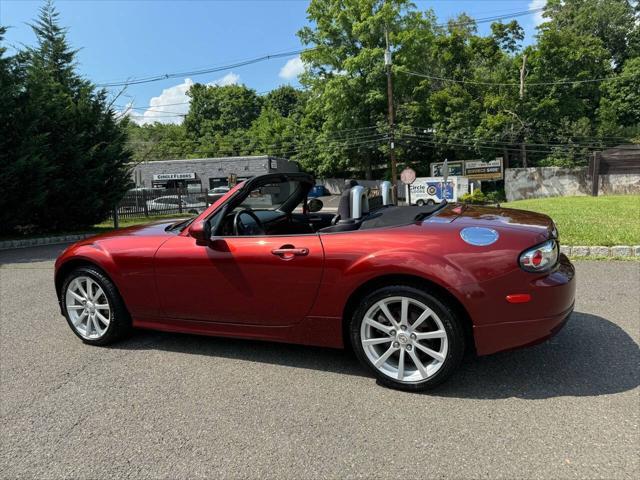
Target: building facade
206,173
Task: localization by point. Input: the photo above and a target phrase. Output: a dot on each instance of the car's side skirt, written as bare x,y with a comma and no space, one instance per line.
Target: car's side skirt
317,331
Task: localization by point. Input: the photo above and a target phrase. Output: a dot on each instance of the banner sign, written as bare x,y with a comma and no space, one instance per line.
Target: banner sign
174,176
456,169
479,170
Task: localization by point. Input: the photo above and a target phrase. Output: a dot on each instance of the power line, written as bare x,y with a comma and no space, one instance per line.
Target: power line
299,140
193,73
481,140
488,147
242,63
284,150
492,19
149,109
503,84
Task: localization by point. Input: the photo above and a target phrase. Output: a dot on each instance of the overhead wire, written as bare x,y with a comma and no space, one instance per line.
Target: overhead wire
505,84
271,56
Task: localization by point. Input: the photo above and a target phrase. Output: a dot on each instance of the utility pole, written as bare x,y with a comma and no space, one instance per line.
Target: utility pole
392,150
523,147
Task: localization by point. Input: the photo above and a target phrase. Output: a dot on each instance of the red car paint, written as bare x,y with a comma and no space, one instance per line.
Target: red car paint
237,286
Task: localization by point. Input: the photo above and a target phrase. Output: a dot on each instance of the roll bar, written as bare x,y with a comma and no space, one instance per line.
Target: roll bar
359,202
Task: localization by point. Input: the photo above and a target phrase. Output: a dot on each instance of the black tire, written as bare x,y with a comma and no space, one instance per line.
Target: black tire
452,326
430,202
420,203
120,321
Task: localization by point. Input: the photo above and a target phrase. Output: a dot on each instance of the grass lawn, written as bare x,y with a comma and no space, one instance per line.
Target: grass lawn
607,220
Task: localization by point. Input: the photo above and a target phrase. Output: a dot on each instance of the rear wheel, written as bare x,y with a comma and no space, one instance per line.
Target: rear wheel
430,202
408,338
420,203
93,308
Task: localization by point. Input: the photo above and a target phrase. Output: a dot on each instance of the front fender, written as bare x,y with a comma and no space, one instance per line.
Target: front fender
126,261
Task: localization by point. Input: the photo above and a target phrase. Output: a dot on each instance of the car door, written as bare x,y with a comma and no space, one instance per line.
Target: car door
257,280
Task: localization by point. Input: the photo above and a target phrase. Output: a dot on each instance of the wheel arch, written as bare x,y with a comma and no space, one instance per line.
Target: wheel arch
411,281
69,266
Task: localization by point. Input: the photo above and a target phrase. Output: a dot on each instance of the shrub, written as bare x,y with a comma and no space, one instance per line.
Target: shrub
477,197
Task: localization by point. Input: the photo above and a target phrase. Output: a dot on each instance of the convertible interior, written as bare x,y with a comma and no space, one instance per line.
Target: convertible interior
277,204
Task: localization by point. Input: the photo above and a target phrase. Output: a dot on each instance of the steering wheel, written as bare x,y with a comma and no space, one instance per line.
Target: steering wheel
335,219
240,228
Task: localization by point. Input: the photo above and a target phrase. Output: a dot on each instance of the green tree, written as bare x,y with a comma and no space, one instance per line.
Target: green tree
286,100
346,76
79,139
220,110
24,166
619,110
614,22
159,141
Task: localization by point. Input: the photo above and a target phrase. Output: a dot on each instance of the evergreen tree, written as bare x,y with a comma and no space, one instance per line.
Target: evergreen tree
24,166
83,146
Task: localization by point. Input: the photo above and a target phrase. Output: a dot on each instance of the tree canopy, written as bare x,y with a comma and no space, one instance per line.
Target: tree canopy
457,93
63,154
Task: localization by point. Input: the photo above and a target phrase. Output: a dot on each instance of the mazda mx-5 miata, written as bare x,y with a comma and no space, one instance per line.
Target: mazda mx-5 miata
408,288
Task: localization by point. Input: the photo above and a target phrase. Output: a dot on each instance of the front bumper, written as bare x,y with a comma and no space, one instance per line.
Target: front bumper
522,325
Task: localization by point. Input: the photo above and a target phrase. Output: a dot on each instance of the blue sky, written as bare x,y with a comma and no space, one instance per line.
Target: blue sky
124,39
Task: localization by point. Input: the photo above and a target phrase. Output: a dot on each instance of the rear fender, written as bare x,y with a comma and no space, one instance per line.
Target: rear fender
340,286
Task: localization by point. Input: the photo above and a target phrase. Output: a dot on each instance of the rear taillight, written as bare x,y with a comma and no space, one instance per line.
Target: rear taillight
540,258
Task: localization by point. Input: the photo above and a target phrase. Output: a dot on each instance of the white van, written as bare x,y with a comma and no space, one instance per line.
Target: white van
428,190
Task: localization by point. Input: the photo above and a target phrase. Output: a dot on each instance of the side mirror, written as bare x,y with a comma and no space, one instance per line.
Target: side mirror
201,231
315,205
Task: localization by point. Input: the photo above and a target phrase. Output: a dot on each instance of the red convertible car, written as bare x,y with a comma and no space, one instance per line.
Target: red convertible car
408,288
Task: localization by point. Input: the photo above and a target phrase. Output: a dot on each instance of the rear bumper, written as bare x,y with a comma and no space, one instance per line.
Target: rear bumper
511,335
523,325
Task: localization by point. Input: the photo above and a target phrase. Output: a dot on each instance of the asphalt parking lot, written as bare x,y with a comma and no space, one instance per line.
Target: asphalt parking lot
178,406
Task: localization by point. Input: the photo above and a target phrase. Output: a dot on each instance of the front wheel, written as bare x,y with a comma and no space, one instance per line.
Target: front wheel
408,338
93,307
420,203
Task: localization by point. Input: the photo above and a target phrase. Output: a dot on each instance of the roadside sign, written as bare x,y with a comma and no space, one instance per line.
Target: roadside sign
174,176
408,176
479,170
456,169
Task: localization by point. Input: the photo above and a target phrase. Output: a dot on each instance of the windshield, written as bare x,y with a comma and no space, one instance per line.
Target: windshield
270,196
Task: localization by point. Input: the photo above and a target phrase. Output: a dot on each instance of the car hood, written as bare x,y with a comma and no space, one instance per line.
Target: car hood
148,230
493,217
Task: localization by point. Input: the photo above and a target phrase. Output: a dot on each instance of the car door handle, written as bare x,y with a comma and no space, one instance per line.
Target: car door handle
288,252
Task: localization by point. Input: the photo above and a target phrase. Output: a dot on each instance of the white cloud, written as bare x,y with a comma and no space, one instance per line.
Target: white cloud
292,69
172,103
229,79
537,17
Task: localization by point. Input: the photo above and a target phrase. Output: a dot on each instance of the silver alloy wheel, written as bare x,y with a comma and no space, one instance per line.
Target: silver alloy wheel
404,339
87,307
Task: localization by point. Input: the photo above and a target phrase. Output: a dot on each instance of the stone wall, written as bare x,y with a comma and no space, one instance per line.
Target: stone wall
619,184
541,182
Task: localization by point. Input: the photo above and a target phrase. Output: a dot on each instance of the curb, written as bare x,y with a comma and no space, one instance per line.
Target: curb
618,251
37,242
